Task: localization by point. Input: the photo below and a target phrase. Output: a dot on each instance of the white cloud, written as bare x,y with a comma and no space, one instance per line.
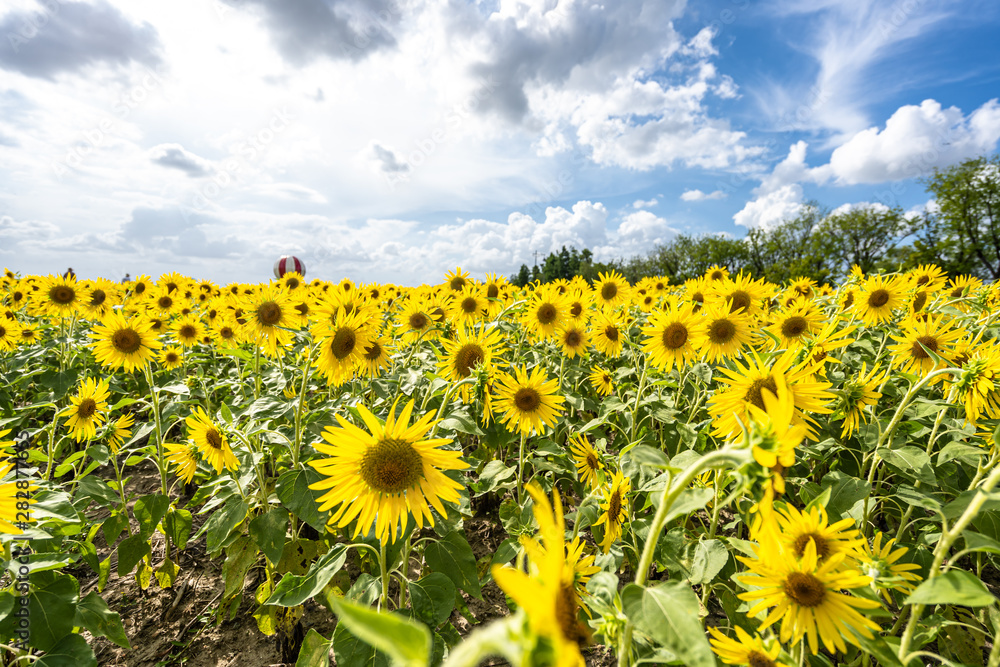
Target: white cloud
770,209
915,140
858,206
638,234
175,156
698,195
650,203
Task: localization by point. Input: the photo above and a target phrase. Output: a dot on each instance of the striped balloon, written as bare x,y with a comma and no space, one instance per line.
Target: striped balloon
287,263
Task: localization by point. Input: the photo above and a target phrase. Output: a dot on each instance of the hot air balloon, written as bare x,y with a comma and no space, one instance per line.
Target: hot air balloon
288,263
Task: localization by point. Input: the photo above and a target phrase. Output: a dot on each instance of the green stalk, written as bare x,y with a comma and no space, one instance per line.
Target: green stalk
520,469
298,411
385,576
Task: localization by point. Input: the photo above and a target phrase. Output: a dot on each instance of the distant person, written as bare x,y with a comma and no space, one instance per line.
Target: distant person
127,278
69,273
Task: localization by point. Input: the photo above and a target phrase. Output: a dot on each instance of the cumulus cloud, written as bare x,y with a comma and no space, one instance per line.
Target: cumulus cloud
915,140
175,156
770,209
638,234
860,206
385,160
639,203
73,36
698,195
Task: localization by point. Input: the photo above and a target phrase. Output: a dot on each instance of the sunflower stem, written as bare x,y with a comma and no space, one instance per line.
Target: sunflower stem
256,371
298,411
930,447
158,425
385,576
638,395
520,469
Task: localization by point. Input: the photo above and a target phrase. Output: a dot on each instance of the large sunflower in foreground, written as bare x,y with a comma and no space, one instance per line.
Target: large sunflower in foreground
528,401
807,596
919,338
546,593
128,343
381,476
60,296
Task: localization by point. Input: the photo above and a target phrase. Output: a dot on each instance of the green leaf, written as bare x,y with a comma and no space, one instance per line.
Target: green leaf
294,492
223,522
493,474
70,651
315,651
668,614
148,511
965,453
93,613
51,608
406,642
97,489
647,456
433,598
462,423
114,526
977,542
452,556
877,647
295,589
911,460
844,492
688,501
268,532
131,550
952,587
240,557
177,524
710,556
353,652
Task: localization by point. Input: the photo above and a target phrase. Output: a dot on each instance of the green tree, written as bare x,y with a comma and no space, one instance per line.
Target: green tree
864,236
523,276
968,201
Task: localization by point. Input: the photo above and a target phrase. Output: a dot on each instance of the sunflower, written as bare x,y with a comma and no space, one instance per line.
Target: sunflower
495,290
183,458
59,296
456,280
546,593
797,324
573,339
716,273
292,281
609,332
726,332
164,303
807,596
819,347
742,294
528,401
799,529
376,356
342,346
588,463
910,353
963,286
171,357
469,306
138,288
857,393
270,319
695,291
10,499
602,381
746,651
380,477
469,350
10,335
545,312
415,322
28,334
87,409
225,333
102,296
804,287
730,405
120,342
673,337
210,441
877,297
173,282
615,506
120,431
578,303
188,330
882,564
611,290
927,276
772,435
978,383
580,565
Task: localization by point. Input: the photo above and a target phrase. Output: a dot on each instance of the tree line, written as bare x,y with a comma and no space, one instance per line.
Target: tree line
961,235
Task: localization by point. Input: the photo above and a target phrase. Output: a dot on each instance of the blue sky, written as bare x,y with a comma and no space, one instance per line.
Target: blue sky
392,140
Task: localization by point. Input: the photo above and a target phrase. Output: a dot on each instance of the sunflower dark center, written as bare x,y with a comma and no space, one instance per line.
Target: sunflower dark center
437,312
609,291
546,313
930,342
3,331
794,326
292,283
269,313
754,395
758,659
171,286
373,352
492,291
467,358
716,275
391,466
576,309
805,589
739,299
226,333
611,333
592,462
849,301
469,305
822,545
417,321
878,298
957,292
126,341
923,280
343,342
819,355
173,357
213,438
457,283
303,309
660,286
674,336
164,302
566,615
572,338
62,294
97,297
86,409
721,331
919,300
139,288
527,399
615,505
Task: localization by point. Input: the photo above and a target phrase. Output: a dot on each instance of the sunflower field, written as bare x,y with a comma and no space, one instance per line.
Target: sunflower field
725,470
